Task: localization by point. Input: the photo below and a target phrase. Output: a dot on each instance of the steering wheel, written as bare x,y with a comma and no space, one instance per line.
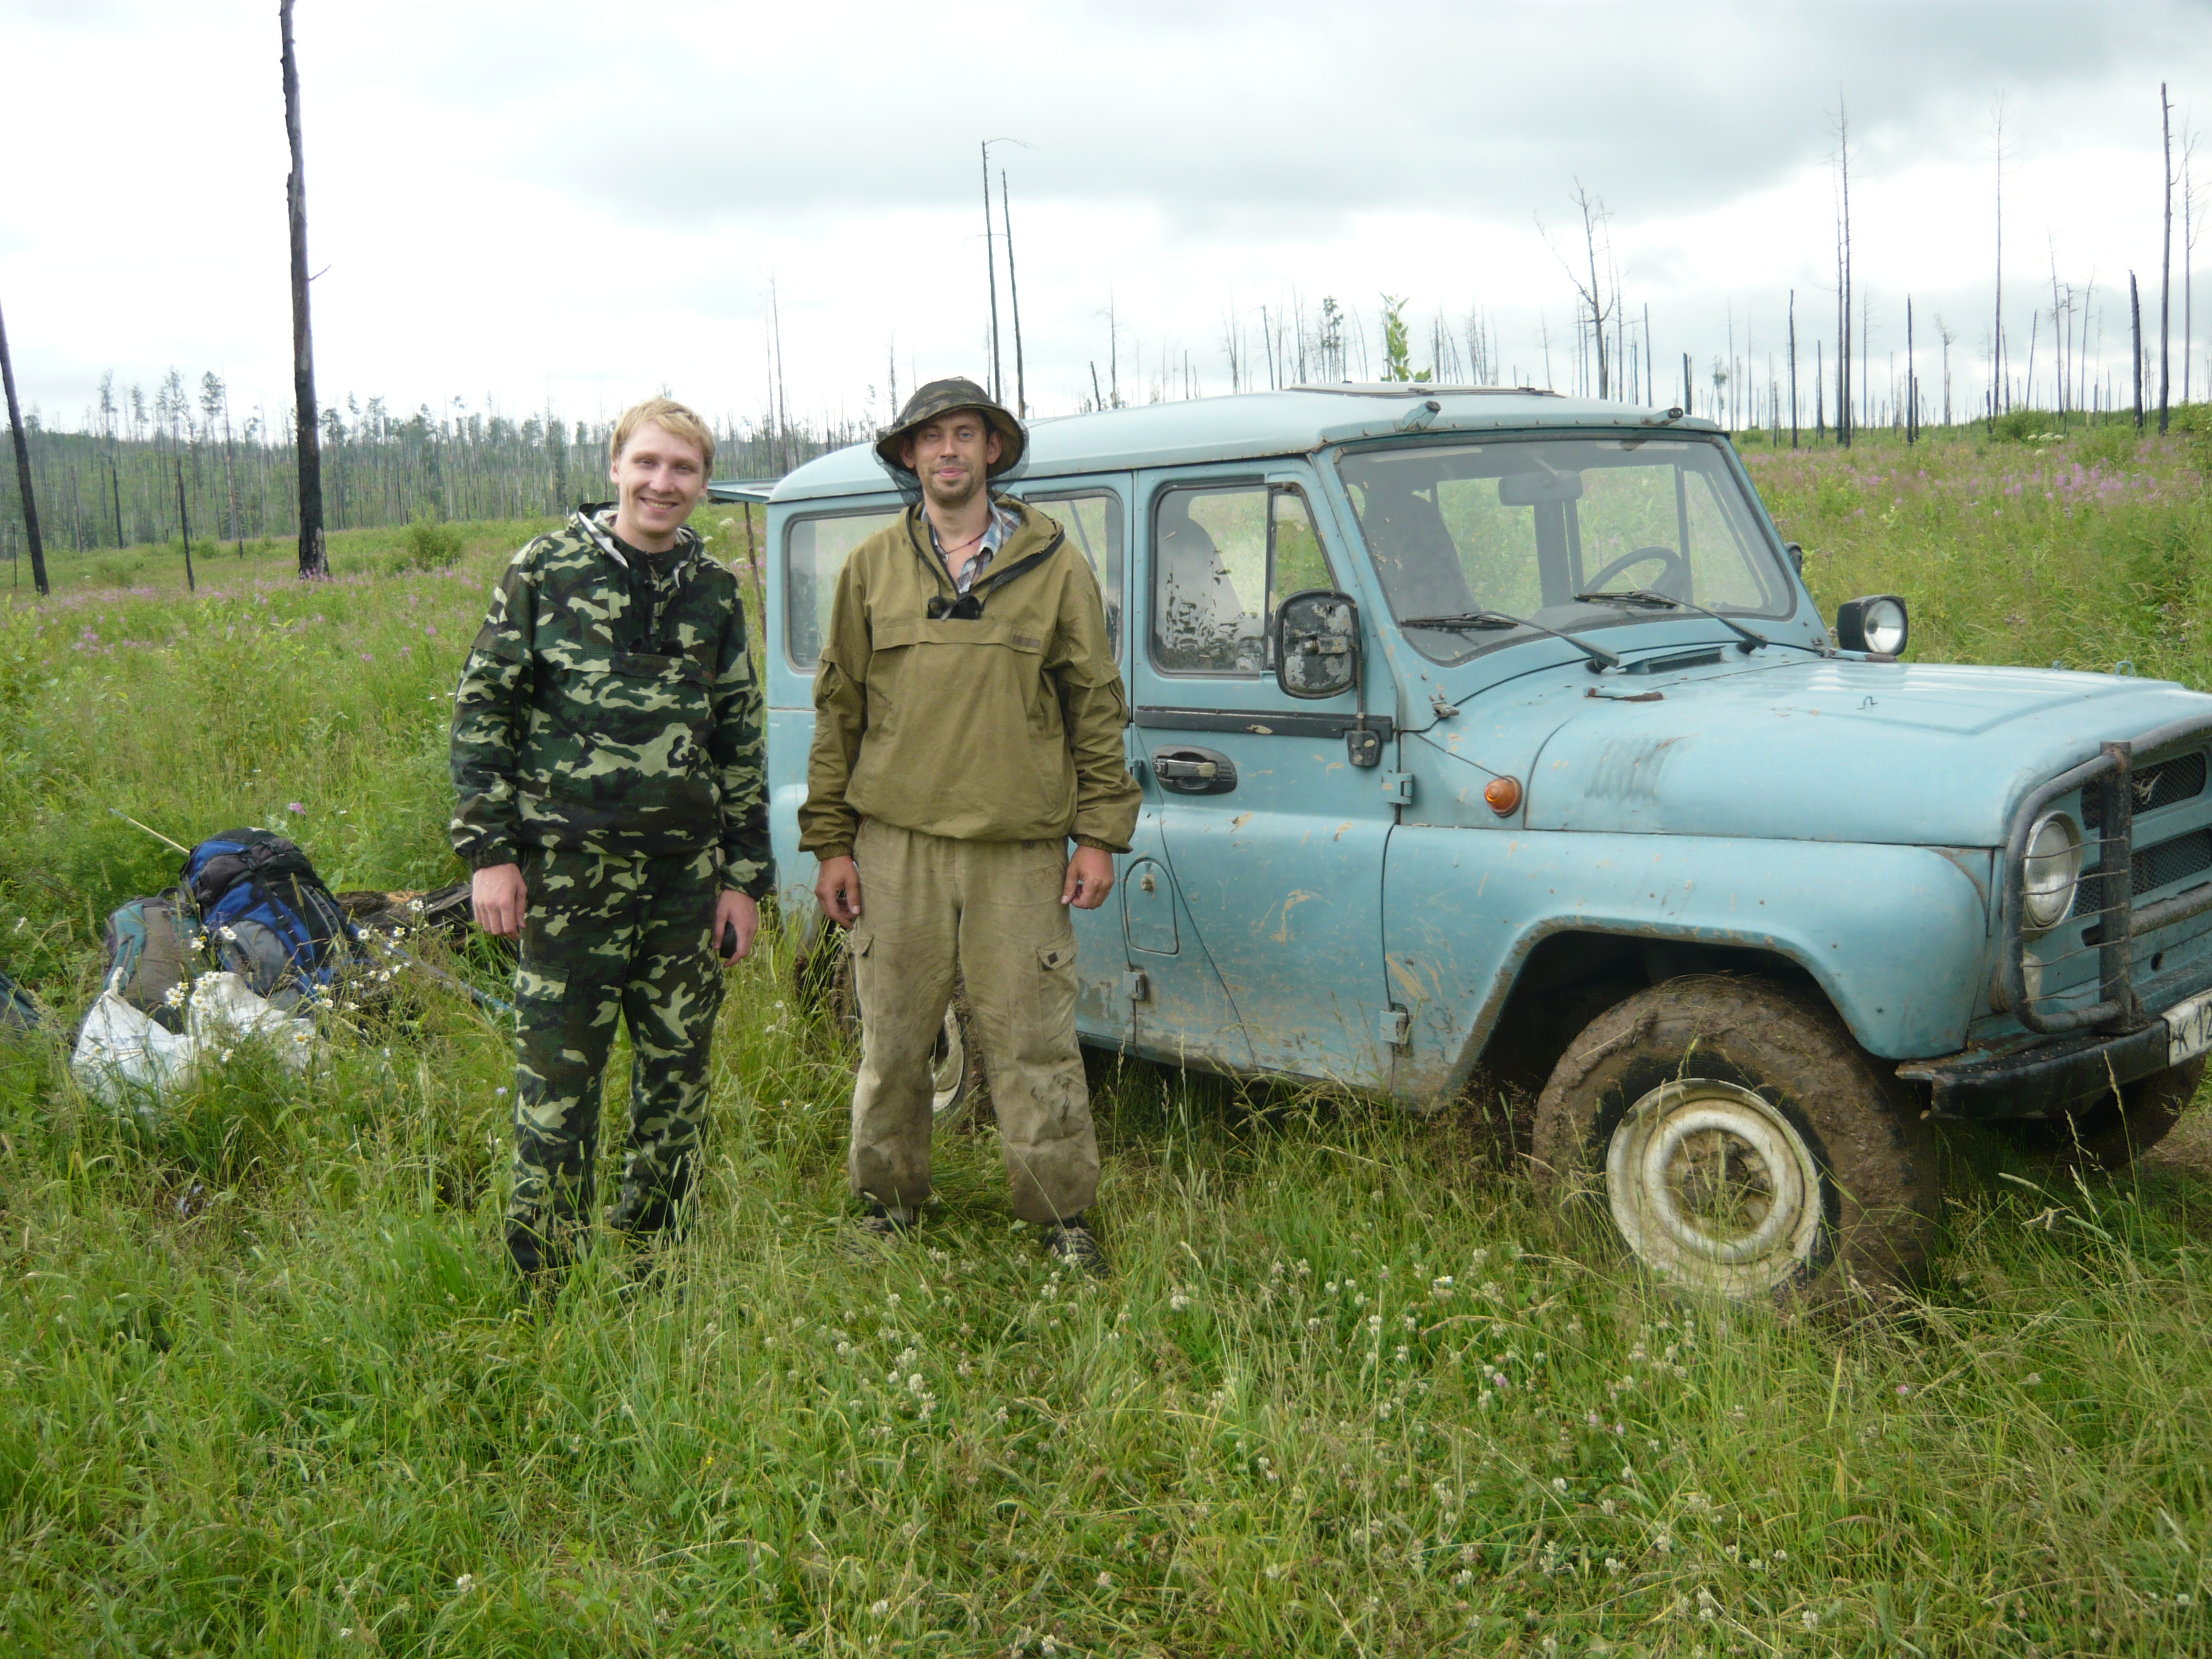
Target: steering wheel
1672,570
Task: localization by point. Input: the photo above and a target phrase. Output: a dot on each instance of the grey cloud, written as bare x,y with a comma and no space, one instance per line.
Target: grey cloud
1223,117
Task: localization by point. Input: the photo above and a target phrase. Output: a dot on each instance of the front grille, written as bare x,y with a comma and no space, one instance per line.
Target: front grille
2180,779
2169,862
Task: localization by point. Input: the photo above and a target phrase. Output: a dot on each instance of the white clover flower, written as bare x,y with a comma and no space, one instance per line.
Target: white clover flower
1809,1619
1105,1581
1178,1302
465,1582
880,1609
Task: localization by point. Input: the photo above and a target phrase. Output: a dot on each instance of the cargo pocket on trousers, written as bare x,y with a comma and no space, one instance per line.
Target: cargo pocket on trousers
1055,984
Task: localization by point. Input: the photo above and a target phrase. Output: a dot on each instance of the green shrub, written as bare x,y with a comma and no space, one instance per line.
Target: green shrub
431,545
2111,445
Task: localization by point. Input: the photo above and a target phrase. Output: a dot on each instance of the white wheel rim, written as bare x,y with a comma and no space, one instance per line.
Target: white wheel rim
948,1073
1712,1187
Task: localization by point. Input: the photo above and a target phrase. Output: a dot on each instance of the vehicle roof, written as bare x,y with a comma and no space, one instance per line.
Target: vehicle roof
1252,425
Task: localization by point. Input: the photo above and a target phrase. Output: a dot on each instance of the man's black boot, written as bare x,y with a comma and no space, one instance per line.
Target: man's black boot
1072,1242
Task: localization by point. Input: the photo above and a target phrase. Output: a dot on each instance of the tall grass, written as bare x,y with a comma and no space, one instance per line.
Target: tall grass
265,1389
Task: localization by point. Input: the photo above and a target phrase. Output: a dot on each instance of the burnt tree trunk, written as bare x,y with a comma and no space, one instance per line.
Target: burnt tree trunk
23,467
312,562
1793,368
991,270
2166,260
2135,318
1911,385
1014,295
184,528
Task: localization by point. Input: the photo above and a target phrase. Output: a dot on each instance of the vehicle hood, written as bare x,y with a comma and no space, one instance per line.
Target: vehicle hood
1832,748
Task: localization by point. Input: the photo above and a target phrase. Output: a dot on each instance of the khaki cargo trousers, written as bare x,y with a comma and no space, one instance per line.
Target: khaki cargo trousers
993,909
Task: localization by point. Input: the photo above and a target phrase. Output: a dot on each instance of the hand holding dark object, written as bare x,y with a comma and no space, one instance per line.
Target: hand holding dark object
837,891
498,897
1090,878
737,923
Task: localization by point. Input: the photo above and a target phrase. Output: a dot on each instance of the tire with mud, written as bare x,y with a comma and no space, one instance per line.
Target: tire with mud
824,982
1730,1135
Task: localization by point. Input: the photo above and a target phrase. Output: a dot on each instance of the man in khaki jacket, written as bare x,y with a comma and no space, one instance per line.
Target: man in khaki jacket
967,725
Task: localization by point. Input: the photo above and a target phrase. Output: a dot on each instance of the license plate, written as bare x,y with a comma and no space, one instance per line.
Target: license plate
2188,1028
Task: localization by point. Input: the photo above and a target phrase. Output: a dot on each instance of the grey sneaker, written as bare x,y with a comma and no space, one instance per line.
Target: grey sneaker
1073,1243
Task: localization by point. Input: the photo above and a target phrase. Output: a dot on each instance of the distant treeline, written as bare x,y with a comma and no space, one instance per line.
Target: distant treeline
114,483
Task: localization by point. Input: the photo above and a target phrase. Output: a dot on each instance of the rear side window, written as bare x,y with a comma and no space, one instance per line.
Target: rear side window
814,551
1093,520
1225,557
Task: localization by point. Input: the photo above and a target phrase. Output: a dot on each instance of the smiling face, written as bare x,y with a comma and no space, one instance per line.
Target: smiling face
659,479
953,455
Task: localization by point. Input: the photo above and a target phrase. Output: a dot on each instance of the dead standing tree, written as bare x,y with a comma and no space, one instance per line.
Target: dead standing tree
23,467
312,562
1596,304
1843,275
2165,257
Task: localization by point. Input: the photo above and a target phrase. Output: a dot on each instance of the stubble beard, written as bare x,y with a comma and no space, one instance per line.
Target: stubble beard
948,501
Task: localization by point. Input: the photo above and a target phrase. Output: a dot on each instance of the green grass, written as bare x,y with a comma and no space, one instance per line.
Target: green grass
1349,1392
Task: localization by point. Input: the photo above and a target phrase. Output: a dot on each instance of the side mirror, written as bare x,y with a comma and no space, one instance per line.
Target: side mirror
1317,644
1796,552
1877,625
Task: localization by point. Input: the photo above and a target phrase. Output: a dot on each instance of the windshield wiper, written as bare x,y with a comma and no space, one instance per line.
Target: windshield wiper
1600,659
1751,639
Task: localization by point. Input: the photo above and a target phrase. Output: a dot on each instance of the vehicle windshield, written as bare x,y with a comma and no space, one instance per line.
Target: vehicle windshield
1524,526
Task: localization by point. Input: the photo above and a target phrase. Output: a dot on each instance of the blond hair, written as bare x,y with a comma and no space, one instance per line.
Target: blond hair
669,416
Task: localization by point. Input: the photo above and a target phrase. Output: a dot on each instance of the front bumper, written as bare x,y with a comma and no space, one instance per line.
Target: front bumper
2039,1079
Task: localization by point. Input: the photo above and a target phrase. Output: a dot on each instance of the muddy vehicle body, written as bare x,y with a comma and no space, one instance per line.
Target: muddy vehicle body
1487,733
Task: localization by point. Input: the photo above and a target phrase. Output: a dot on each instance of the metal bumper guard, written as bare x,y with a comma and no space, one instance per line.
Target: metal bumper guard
2106,1043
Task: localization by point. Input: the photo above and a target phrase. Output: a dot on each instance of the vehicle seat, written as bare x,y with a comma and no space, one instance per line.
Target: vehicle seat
1201,622
1415,557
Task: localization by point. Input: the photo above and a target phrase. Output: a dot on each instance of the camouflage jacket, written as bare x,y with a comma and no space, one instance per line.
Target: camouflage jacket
611,706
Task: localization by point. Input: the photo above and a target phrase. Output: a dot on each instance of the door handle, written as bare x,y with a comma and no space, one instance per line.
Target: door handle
1194,771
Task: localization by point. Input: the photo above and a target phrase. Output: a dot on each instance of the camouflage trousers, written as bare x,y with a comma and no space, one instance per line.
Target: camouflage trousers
609,937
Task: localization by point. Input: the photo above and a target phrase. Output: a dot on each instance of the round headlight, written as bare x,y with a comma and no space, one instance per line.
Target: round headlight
1884,621
2052,871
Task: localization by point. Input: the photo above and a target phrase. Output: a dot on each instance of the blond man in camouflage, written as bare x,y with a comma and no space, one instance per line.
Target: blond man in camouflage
607,755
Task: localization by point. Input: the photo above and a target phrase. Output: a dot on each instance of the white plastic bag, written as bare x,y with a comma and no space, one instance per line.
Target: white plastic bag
126,1059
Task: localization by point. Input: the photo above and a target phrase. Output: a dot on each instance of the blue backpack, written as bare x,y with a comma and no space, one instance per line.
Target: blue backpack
267,914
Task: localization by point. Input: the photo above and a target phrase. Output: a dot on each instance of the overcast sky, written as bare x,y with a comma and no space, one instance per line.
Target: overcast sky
574,204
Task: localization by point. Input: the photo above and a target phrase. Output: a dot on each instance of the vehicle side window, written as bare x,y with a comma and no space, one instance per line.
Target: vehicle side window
1225,556
814,551
1093,520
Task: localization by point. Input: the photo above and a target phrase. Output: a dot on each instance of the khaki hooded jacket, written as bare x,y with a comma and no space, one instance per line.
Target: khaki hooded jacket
1005,727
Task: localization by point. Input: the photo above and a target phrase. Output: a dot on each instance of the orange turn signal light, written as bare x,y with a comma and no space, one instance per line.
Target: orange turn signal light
1503,796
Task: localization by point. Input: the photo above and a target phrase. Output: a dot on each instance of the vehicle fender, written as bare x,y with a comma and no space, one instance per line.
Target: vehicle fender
1896,936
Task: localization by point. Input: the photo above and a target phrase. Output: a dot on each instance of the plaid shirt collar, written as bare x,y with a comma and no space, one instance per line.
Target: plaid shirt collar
1005,520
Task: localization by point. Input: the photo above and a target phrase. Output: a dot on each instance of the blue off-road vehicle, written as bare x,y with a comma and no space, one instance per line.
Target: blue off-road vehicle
1495,733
